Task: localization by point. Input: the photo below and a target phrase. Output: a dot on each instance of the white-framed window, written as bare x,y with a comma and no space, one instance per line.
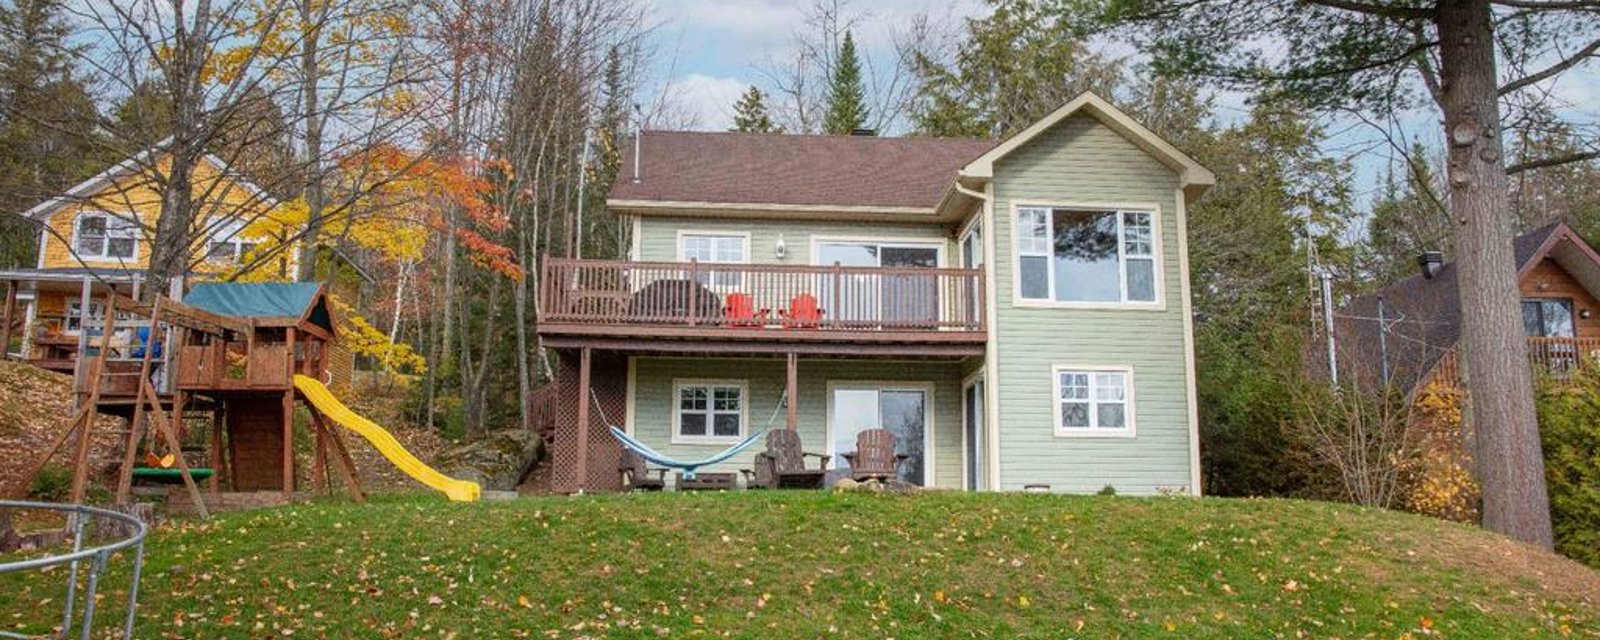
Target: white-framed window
1093,401
1076,255
97,235
708,411
227,244
715,248
232,251
972,247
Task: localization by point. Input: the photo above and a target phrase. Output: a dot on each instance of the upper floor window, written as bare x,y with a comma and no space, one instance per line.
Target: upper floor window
1078,255
1547,317
227,244
104,236
972,247
716,248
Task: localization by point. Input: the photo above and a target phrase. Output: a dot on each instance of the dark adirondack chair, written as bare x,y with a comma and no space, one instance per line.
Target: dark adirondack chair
783,464
874,457
636,474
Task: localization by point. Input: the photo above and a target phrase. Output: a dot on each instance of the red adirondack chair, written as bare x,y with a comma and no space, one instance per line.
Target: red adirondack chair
741,311
803,313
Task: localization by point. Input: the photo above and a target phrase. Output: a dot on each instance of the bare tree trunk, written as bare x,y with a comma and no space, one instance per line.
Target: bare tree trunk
310,71
1493,347
169,253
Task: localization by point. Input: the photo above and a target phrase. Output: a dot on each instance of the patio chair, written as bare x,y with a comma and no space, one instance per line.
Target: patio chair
636,474
741,311
803,313
783,464
874,457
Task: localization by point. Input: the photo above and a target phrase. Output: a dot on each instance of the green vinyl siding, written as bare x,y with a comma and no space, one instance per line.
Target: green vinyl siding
658,236
653,402
1080,161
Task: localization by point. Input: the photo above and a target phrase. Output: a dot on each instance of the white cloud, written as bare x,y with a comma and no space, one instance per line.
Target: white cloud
702,102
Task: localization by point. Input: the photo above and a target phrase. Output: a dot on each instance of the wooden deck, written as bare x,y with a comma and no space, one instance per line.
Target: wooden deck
678,307
1557,357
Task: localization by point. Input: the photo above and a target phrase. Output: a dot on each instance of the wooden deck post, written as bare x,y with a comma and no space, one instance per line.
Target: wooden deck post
791,394
583,419
215,483
288,423
10,315
288,444
90,374
125,474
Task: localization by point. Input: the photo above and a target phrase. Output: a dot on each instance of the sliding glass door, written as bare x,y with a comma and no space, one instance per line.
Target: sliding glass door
903,411
876,299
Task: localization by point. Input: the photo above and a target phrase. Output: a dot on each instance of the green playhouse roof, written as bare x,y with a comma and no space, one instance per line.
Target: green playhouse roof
262,300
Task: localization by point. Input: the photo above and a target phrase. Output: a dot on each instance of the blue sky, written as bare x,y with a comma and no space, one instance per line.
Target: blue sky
706,52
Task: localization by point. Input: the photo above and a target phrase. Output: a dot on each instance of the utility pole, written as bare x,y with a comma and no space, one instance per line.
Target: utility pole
1383,342
583,183
1327,324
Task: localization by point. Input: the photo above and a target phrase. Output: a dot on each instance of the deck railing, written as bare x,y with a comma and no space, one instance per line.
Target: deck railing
1559,357
715,296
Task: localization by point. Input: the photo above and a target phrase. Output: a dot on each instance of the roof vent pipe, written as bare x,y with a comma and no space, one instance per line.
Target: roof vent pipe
638,135
1430,262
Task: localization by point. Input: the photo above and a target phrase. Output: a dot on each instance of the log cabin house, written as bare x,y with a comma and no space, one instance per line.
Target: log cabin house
1558,274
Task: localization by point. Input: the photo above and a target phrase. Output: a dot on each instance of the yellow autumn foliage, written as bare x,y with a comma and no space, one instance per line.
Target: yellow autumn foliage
1439,479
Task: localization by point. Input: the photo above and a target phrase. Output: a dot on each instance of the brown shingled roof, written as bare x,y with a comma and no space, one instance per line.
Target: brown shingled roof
768,168
1423,315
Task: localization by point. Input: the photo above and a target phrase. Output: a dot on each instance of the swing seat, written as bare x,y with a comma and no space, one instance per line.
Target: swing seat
170,476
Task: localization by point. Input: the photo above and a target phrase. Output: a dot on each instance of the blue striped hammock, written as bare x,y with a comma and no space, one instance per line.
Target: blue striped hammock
688,468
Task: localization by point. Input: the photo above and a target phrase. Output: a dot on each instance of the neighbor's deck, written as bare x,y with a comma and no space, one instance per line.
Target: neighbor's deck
690,307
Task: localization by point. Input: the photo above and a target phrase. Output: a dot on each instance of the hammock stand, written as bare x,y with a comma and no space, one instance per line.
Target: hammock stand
688,467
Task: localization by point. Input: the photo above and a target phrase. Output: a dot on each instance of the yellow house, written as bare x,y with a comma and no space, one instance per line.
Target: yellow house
97,236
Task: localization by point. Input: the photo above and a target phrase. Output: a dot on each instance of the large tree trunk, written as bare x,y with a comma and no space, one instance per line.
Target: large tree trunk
311,72
169,252
1511,465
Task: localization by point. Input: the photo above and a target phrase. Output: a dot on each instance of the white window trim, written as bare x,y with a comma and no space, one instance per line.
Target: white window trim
743,236
929,414
1129,430
974,229
975,378
1159,304
105,251
229,232
940,246
677,411
744,239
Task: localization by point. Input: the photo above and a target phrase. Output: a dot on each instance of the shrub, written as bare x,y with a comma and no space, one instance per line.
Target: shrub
1438,476
53,484
1569,428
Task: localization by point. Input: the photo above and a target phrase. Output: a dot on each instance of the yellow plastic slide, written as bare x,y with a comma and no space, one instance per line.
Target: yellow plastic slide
384,442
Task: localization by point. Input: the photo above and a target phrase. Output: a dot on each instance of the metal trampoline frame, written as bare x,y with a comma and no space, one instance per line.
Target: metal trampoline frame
97,557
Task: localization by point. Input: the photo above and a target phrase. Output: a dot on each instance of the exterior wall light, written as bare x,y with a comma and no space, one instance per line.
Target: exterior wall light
780,249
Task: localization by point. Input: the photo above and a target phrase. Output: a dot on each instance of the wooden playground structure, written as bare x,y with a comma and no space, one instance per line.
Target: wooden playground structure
224,359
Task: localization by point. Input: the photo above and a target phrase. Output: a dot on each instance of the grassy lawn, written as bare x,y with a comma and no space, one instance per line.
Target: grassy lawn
806,565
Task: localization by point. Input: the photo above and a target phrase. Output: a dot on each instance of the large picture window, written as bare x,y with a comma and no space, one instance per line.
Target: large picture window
1081,255
102,236
1094,402
708,412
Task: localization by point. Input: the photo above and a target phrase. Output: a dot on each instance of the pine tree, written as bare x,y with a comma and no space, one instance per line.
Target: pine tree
47,118
847,107
750,113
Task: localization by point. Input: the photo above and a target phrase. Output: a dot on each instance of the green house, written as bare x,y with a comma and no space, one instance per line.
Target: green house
1016,313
